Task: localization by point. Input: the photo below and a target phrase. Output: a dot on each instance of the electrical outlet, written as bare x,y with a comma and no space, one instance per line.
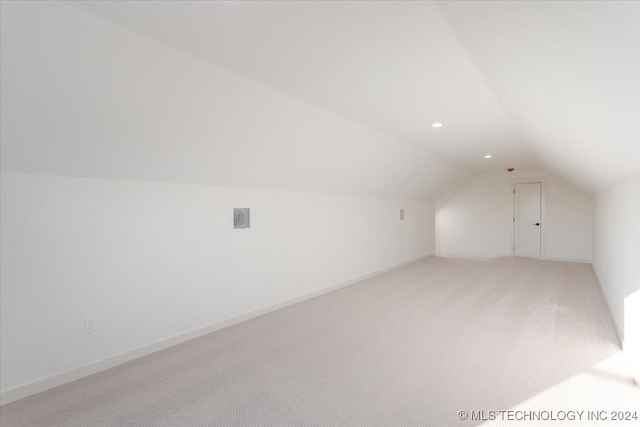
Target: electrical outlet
89,325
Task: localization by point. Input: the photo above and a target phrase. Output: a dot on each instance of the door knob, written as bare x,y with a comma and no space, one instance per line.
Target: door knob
537,223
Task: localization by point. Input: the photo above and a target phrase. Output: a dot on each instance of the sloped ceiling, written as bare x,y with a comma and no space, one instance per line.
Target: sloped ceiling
392,66
82,96
568,74
321,96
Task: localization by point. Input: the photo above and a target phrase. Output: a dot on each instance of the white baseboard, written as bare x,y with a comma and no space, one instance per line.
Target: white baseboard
474,258
612,318
631,355
62,378
494,258
583,261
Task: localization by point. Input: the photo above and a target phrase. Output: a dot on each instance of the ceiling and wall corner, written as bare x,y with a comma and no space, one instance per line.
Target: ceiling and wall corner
84,97
315,97
568,75
392,66
348,90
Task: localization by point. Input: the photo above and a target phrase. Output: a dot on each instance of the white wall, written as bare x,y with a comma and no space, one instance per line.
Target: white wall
575,65
616,257
140,239
151,261
85,97
476,222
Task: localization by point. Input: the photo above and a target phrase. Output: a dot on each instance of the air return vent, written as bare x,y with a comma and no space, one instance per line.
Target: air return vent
241,218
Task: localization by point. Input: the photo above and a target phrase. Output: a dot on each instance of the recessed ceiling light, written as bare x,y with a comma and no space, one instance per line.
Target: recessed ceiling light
487,156
436,125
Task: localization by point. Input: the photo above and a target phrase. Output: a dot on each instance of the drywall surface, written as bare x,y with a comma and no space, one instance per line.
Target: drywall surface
152,260
567,74
616,256
477,221
85,97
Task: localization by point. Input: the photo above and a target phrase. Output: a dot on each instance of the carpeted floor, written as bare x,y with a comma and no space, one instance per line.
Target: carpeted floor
412,347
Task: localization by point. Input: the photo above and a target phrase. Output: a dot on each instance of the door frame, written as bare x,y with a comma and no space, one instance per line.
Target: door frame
542,180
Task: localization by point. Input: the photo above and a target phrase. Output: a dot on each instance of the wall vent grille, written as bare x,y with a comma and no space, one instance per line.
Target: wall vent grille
241,218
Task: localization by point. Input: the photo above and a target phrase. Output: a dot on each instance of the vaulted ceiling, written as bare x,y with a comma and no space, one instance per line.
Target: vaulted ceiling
322,96
392,66
568,75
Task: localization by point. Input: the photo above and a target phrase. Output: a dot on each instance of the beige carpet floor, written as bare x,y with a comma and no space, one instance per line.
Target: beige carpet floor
412,347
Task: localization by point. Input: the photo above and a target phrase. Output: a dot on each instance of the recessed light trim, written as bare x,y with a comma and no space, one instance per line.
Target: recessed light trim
487,156
436,125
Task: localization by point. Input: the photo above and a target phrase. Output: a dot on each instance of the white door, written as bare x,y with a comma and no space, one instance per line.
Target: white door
526,219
